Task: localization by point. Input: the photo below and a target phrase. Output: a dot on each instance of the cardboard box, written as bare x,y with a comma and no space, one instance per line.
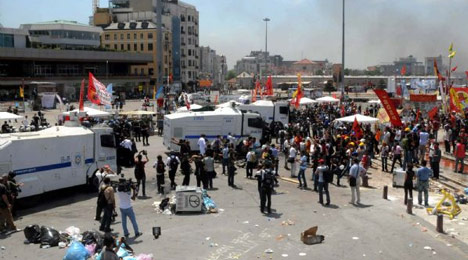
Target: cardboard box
189,199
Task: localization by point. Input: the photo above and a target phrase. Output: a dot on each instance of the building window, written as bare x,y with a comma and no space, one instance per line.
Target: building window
189,72
121,46
128,36
128,47
134,36
189,53
121,36
142,71
7,40
135,71
190,63
115,46
188,18
135,48
115,36
141,36
150,46
189,40
107,36
150,36
107,46
142,47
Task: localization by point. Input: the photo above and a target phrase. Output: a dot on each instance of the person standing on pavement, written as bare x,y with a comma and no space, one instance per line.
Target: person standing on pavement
354,179
423,140
435,155
292,160
225,152
140,174
275,158
173,163
251,159
6,206
397,156
408,185
384,156
108,205
160,169
460,154
145,133
186,170
231,168
423,175
286,148
267,183
302,169
126,193
322,169
208,164
202,144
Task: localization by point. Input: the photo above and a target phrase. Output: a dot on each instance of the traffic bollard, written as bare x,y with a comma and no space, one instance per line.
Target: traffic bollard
440,223
409,206
385,192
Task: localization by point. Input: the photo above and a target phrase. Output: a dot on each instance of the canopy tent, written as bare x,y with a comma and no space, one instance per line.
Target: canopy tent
137,113
91,112
192,107
374,101
306,101
360,118
327,99
8,116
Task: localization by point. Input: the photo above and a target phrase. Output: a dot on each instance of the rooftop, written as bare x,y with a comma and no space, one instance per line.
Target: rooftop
63,22
304,62
131,26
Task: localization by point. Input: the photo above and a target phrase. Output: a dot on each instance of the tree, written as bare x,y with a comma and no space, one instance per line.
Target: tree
346,72
231,74
329,87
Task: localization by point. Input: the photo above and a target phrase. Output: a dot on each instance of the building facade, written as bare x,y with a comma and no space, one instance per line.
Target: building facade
212,66
13,38
65,35
140,37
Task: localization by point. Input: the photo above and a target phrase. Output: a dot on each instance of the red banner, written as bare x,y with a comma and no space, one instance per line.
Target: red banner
389,107
423,98
81,106
97,92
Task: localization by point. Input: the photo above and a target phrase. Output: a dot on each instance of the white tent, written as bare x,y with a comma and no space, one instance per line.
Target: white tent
360,118
327,99
192,106
91,112
306,101
8,116
374,101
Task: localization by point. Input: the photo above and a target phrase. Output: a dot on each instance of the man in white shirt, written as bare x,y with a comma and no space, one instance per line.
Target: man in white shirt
25,122
124,192
202,144
231,139
292,160
423,140
355,173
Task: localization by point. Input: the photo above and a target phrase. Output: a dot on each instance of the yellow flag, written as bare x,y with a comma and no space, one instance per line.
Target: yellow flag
21,92
451,47
452,54
154,92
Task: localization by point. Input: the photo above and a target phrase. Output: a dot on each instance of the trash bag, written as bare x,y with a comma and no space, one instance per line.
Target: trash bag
76,251
91,248
164,204
72,231
93,237
144,257
49,236
33,234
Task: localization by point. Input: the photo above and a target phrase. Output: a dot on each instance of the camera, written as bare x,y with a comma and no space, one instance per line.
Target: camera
126,185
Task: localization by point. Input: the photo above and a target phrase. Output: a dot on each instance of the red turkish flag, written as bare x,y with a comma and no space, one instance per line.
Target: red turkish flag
357,129
81,106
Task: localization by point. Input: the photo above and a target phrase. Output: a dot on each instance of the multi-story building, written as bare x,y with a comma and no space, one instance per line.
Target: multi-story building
212,66
24,59
177,16
429,64
412,65
65,35
140,37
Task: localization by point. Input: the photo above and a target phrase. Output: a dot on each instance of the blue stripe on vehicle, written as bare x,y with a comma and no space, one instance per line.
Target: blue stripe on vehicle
48,167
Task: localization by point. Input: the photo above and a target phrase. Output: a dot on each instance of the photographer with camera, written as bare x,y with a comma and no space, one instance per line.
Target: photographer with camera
140,174
126,192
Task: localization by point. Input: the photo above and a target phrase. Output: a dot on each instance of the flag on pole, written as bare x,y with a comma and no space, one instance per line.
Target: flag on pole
298,94
451,47
154,92
342,111
437,72
454,68
97,92
81,106
21,92
451,51
160,91
357,129
269,87
254,95
417,115
433,112
403,70
187,103
171,78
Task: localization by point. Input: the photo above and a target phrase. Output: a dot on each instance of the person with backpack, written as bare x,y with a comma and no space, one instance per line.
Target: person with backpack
106,200
173,163
160,169
302,169
267,183
140,174
251,158
323,178
104,171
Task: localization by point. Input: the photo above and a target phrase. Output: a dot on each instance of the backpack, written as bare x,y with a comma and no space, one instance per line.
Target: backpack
328,176
253,157
268,180
160,167
173,163
102,201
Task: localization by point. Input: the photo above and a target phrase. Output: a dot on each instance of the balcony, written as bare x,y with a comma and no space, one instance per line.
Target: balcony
183,55
182,43
182,32
184,67
196,56
196,34
196,45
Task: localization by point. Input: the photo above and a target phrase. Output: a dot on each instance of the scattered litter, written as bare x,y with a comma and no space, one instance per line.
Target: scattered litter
284,255
310,237
449,245
269,251
256,225
380,252
434,252
3,248
427,248
207,238
280,237
167,212
410,245
364,255
213,245
287,223
423,229
462,224
62,244
355,238
302,254
465,219
221,210
245,222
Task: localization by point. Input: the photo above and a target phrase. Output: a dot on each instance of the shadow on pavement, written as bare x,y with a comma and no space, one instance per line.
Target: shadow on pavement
362,205
332,206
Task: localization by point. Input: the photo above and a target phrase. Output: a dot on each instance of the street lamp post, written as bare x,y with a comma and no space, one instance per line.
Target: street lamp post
266,20
343,54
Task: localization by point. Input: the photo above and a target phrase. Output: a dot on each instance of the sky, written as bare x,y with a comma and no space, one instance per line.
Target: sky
376,30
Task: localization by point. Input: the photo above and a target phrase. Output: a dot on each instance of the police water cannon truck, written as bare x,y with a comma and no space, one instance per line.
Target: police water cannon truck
270,111
58,157
223,121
